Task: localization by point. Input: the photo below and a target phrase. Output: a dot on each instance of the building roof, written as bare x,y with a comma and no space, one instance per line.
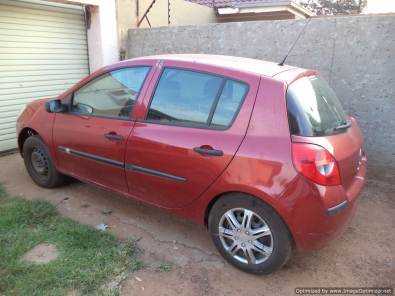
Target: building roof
244,5
241,3
260,67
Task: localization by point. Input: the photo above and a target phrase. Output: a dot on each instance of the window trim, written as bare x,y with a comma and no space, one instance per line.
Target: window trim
129,118
237,111
213,107
309,77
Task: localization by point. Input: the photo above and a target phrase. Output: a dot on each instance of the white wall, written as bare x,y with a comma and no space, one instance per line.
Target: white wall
108,32
380,6
94,40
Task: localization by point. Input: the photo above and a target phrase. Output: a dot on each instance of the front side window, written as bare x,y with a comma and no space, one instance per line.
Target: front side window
112,94
185,97
314,109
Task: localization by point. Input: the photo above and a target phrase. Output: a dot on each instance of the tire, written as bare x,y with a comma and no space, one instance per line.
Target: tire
276,240
39,163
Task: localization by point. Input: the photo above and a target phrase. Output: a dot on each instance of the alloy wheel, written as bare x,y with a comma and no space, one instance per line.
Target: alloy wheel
245,236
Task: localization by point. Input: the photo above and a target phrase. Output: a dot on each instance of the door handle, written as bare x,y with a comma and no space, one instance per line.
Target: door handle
208,150
113,136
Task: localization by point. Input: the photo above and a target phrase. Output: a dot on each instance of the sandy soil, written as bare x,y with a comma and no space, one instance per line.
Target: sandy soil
41,254
362,256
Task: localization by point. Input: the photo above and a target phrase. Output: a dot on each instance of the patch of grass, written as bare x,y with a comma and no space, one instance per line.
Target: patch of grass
2,191
165,267
88,258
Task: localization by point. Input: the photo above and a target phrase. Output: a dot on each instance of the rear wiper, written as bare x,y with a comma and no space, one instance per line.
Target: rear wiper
343,126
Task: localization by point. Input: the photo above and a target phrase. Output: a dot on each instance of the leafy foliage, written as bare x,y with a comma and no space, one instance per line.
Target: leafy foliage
333,7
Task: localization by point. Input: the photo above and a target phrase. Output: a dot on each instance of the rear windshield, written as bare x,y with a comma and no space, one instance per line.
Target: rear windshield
313,108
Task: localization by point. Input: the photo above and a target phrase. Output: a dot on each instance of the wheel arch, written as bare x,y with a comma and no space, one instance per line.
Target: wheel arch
264,200
23,135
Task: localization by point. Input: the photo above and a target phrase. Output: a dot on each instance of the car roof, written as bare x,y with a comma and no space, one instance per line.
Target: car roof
260,67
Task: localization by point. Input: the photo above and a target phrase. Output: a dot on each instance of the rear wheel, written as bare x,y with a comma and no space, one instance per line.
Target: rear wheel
39,164
249,234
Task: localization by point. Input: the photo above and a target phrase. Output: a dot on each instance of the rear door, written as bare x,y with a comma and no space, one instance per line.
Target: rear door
195,118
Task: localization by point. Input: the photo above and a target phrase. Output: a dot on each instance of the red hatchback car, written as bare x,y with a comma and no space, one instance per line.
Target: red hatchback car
262,154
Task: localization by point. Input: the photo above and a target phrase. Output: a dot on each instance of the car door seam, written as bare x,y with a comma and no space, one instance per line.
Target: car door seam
234,155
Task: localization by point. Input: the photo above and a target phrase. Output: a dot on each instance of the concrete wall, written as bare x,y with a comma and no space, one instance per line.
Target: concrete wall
355,54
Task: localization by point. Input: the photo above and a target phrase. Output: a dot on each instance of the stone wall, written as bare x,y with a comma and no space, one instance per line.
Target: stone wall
355,54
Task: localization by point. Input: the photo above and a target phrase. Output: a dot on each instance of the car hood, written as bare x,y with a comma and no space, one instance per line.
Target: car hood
37,103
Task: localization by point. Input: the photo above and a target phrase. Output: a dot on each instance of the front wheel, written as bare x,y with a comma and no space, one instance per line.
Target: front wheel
39,164
249,234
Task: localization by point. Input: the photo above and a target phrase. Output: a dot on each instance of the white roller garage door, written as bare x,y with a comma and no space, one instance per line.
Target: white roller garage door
43,51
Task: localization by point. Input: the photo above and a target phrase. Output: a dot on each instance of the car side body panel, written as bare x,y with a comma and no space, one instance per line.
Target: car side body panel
263,168
169,149
262,165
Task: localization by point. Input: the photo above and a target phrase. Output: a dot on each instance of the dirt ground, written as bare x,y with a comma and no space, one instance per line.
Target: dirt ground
42,254
362,256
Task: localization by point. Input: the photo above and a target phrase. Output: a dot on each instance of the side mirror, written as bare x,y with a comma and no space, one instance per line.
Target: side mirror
55,106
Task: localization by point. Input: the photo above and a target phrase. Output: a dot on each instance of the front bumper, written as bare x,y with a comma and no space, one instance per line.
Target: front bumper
316,224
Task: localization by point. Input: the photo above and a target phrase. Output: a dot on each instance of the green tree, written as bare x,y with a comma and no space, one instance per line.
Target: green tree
333,7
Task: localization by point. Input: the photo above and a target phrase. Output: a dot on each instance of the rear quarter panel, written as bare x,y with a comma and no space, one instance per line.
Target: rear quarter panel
262,165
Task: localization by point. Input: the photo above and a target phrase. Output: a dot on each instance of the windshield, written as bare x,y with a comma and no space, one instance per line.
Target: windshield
314,109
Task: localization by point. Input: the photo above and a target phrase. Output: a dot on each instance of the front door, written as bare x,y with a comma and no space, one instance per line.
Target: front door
194,124
90,139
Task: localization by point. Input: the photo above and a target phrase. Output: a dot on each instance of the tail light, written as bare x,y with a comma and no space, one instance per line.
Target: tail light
316,164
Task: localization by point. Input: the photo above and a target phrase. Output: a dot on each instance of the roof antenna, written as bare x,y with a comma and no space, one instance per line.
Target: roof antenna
296,41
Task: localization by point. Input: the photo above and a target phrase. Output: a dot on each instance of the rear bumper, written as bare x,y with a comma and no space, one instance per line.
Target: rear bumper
317,224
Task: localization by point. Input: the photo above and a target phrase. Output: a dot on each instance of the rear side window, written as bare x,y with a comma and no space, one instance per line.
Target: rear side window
229,102
190,98
184,97
313,108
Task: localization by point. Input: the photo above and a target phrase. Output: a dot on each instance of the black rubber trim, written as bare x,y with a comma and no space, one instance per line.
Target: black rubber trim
91,156
132,167
338,208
